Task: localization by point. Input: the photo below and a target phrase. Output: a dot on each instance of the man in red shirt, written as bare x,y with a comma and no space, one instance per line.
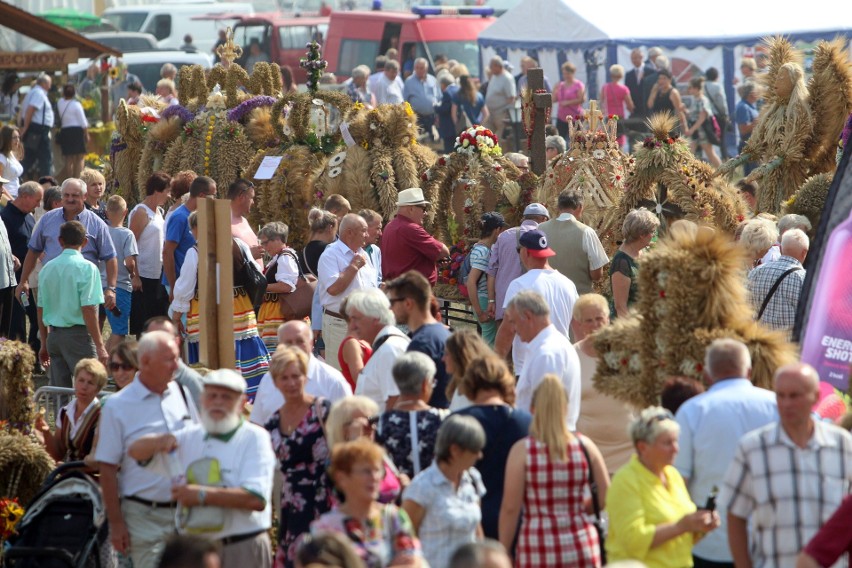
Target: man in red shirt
405,243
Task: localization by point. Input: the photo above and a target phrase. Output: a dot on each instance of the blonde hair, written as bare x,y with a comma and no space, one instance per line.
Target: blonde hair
550,407
616,71
590,300
90,176
283,356
94,368
652,422
116,204
341,414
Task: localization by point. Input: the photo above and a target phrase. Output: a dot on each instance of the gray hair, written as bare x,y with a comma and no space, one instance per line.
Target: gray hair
652,422
43,79
794,240
637,223
555,142
69,181
29,188
727,358
570,199
616,70
371,302
168,68
421,60
793,221
472,554
361,71
530,301
392,64
518,159
758,235
662,62
496,60
463,431
655,52
445,77
410,370
275,230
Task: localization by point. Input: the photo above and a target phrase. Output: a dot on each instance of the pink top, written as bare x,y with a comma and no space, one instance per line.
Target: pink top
241,229
614,95
566,92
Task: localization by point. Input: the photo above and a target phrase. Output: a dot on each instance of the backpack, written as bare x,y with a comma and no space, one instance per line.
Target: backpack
464,272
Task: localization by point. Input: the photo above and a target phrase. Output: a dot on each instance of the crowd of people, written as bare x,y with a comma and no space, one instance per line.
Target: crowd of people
371,433
385,435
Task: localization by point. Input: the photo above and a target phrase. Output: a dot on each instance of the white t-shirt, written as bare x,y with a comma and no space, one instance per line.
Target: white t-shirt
150,261
12,170
246,460
559,293
551,352
376,379
323,381
72,114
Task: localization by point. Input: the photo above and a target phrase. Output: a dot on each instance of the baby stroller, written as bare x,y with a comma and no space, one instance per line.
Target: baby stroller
64,525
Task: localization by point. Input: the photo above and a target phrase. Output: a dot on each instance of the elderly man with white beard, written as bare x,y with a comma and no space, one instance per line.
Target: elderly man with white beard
235,458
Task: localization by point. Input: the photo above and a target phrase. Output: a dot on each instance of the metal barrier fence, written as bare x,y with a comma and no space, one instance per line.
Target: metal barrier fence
54,398
458,312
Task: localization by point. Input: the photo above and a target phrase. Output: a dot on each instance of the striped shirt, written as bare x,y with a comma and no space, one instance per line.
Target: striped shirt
786,491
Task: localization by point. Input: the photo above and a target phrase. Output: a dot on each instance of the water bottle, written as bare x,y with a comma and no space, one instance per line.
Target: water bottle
827,342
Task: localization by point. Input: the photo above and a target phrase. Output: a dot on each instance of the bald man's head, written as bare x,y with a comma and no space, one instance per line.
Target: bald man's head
796,392
296,333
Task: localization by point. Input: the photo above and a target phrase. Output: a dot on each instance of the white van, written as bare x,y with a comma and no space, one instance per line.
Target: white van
169,21
146,65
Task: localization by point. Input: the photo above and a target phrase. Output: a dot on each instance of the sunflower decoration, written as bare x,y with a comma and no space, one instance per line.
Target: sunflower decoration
307,134
475,177
211,145
381,156
24,463
667,179
593,164
691,291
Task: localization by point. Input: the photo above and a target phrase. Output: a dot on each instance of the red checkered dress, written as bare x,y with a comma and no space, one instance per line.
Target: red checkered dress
555,530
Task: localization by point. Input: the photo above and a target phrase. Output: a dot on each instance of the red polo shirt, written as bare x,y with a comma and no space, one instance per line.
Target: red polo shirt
407,246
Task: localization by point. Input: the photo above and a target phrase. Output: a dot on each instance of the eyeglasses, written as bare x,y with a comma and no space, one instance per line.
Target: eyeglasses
666,415
114,366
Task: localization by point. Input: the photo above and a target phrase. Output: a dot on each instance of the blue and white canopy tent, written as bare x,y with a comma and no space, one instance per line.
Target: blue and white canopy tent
594,36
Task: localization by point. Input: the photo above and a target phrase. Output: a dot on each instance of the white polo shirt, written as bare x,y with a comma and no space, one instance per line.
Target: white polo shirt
375,380
246,460
558,291
551,352
323,381
130,414
332,263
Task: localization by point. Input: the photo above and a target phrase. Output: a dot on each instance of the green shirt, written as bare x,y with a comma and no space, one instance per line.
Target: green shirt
65,285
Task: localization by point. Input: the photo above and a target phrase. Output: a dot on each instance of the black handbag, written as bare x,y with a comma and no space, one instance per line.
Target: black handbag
596,506
249,275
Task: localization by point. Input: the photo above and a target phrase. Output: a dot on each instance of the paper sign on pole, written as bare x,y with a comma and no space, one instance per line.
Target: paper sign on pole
267,167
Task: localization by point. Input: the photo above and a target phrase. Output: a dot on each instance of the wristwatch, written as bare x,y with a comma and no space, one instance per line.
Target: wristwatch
111,288
202,496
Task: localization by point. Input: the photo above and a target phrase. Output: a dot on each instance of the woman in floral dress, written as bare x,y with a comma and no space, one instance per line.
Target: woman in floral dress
297,432
382,535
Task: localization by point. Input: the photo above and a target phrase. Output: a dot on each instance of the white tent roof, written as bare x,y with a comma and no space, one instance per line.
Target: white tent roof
564,25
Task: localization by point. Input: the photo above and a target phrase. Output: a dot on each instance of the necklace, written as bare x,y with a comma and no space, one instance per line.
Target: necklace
286,421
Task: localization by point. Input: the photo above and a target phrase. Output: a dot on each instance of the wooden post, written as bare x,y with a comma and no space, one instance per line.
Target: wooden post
542,101
215,284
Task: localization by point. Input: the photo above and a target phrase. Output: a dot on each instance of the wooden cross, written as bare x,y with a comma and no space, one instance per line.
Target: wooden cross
542,101
594,115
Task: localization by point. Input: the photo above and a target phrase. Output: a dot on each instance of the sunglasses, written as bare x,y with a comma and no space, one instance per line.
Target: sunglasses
667,415
113,366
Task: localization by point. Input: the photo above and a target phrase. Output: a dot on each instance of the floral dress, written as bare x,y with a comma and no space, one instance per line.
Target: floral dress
388,533
305,494
394,433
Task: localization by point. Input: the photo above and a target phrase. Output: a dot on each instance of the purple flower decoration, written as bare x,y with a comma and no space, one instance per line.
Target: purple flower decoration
179,111
847,130
239,112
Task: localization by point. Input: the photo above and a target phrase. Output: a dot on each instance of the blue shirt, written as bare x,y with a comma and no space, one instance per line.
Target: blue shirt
745,113
46,236
422,95
711,426
430,339
177,231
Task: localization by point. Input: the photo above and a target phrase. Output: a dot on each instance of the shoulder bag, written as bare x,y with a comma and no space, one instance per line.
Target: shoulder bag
773,290
297,304
600,527
252,278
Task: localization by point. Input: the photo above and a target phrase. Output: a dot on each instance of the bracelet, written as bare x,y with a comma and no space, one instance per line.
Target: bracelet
202,496
492,301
